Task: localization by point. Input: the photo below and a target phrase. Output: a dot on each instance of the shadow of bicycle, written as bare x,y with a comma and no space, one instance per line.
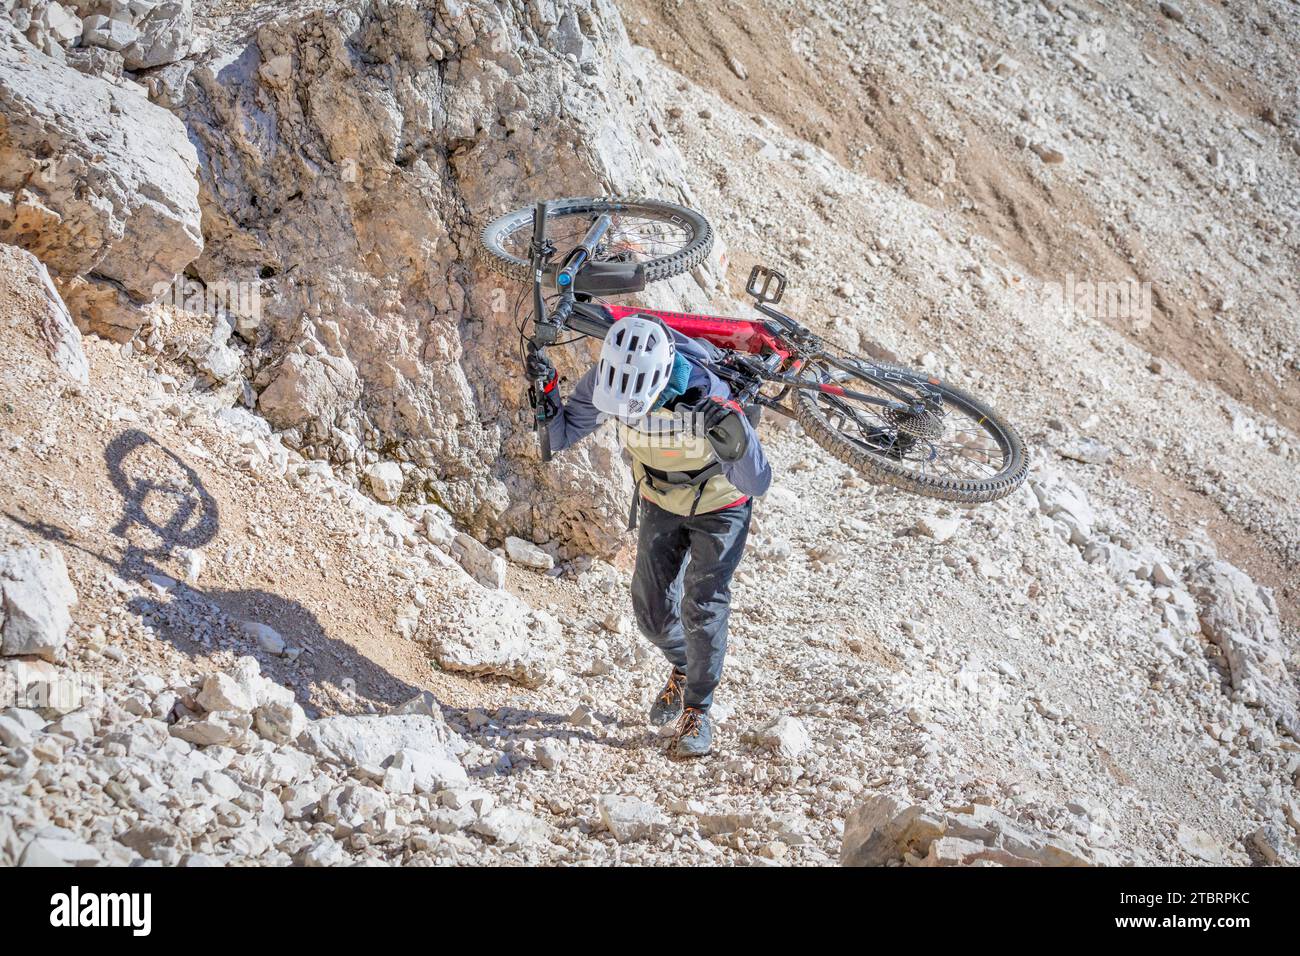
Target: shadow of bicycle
168,518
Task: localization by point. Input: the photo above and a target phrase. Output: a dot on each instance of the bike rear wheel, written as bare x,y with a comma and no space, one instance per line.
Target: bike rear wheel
665,238
965,452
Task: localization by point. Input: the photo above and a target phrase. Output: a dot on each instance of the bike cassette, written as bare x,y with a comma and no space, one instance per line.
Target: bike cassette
925,425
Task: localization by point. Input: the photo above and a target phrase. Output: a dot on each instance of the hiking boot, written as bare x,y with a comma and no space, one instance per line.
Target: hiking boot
694,734
667,706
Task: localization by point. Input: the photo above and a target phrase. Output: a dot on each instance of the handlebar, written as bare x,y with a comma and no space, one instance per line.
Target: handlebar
547,328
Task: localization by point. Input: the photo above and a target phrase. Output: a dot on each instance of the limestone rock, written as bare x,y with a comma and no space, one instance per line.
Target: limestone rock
785,736
309,388
431,771
386,480
880,829
36,597
885,830
1089,451
267,637
528,554
1064,501
94,178
165,33
223,692
278,717
62,24
422,703
1242,619
54,326
493,632
96,61
216,728
371,740
1199,844
485,567
323,851
59,849
629,818
510,827
940,529
106,32
404,103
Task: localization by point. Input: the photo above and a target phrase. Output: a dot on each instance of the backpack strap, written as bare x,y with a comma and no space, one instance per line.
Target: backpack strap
636,503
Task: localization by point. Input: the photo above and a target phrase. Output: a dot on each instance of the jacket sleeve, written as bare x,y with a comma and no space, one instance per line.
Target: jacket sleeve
750,472
578,417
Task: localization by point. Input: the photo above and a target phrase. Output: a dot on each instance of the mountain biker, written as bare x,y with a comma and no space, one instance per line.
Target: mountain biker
698,465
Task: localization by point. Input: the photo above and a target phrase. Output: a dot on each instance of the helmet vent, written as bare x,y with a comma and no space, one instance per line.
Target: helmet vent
635,363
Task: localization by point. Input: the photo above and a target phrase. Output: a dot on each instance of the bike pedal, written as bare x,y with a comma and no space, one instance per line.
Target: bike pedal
767,276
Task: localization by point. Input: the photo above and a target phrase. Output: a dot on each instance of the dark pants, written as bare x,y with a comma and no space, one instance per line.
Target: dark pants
681,589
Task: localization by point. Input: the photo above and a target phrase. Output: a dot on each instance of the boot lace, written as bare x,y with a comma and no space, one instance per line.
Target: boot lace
692,721
673,688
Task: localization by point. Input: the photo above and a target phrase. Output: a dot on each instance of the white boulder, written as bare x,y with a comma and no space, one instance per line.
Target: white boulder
36,598
165,33
108,195
629,818
483,565
1064,501
386,480
493,632
785,736
368,741
528,554
1242,619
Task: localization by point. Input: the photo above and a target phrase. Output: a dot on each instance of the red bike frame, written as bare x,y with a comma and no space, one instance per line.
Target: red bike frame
738,335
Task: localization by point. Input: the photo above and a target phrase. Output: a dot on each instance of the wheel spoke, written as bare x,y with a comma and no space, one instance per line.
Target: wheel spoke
641,237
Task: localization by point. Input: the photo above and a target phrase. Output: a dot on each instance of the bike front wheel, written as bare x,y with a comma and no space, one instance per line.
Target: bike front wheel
666,239
960,451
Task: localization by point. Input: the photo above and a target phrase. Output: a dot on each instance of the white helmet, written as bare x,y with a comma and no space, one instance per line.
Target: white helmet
635,363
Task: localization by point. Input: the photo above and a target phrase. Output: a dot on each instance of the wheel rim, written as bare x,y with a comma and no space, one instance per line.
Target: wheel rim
632,236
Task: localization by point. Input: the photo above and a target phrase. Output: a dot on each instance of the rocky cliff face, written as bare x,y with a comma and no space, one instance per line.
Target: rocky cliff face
97,182
346,158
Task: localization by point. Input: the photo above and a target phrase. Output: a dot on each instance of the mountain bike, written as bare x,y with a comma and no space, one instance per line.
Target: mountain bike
892,424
